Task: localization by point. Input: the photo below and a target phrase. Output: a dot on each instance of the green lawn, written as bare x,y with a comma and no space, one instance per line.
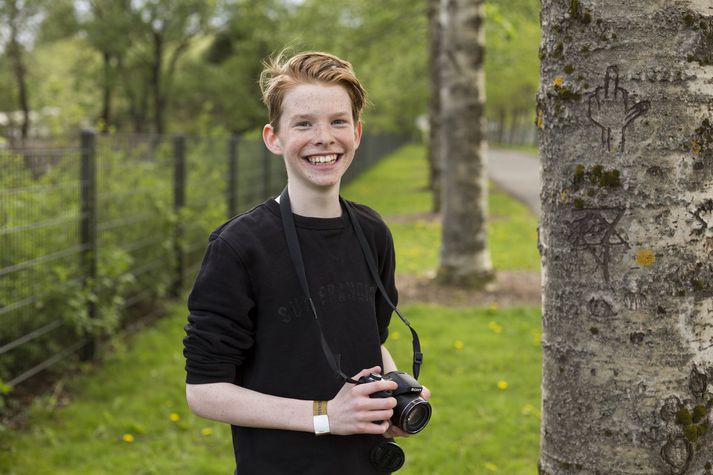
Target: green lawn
129,415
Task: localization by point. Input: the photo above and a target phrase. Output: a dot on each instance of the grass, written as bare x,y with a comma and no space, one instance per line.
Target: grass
398,189
129,416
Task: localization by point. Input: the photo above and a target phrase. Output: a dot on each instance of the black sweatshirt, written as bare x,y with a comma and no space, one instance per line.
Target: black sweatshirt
251,325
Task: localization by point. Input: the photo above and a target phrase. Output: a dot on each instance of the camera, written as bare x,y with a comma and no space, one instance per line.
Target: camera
412,412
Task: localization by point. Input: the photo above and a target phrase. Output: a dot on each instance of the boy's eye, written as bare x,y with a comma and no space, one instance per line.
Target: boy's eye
302,124
339,122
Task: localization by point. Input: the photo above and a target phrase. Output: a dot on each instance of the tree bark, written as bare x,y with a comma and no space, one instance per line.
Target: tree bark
465,258
625,110
435,146
156,82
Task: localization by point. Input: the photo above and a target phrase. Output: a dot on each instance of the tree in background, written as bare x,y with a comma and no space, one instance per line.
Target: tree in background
626,112
17,16
435,129
465,258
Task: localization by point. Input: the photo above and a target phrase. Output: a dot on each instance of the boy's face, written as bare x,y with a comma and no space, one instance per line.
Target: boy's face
317,135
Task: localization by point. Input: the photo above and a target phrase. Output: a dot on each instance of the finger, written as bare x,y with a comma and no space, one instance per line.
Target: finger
426,393
367,372
611,82
379,417
376,386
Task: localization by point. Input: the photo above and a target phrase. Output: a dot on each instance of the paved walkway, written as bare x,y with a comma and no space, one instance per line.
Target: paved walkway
518,173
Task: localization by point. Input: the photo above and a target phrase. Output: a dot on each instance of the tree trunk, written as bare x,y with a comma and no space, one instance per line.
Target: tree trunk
107,88
625,110
435,146
156,69
14,50
465,259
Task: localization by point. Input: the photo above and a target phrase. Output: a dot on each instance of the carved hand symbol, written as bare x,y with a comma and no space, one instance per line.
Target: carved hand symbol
610,111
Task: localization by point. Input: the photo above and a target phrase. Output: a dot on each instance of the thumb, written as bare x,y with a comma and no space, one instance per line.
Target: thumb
367,372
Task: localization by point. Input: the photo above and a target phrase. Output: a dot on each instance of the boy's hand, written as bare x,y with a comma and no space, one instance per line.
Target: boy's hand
352,411
395,431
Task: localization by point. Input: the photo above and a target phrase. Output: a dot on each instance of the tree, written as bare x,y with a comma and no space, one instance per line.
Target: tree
18,16
465,258
435,146
625,108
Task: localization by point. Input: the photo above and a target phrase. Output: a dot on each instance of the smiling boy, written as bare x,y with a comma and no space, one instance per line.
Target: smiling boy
253,354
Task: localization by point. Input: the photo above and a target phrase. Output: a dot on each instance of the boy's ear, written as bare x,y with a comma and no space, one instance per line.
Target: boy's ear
272,142
357,134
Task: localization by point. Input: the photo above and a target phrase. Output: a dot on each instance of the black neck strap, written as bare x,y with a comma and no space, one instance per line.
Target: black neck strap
293,245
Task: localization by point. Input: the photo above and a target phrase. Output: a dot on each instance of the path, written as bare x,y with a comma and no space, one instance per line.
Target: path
518,173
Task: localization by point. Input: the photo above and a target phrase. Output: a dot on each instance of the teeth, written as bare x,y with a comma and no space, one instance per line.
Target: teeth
323,159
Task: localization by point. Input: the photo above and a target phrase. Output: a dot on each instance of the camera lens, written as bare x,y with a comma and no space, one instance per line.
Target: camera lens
414,416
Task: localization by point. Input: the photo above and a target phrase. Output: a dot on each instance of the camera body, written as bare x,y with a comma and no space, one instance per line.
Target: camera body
412,412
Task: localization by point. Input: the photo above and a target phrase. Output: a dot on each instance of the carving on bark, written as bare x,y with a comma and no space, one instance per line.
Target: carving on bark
610,111
600,308
704,218
591,231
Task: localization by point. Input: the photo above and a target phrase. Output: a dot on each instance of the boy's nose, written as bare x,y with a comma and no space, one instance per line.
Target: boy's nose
323,135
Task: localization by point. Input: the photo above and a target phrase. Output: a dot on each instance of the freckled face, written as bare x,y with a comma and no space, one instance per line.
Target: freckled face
317,135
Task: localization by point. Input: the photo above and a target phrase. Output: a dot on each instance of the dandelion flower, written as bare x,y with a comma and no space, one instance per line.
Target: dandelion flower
495,327
395,335
458,345
502,385
175,417
206,431
128,438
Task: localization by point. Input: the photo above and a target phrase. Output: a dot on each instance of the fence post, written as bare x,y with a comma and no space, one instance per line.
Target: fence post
179,201
233,175
266,158
88,227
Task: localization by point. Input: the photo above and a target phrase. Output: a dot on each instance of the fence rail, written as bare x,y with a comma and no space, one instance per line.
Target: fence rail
93,234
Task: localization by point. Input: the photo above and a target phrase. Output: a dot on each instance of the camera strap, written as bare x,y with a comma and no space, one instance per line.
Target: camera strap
293,245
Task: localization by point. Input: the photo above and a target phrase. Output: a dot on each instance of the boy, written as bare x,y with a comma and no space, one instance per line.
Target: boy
253,353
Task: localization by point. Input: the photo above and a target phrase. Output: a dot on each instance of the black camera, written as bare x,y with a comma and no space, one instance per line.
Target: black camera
412,412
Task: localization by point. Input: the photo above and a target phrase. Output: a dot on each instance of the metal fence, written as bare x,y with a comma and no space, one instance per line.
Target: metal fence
94,233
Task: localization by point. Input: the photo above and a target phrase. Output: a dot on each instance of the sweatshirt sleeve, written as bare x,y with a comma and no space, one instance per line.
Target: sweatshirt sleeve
220,329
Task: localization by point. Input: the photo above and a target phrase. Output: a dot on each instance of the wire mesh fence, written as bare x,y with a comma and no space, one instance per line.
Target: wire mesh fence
94,233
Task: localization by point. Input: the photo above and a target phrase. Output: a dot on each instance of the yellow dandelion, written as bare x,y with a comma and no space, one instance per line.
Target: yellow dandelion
491,467
495,327
128,438
558,82
206,431
528,409
175,417
502,385
645,257
395,335
458,345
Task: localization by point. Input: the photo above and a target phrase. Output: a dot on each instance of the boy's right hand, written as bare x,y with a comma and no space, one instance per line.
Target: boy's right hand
352,411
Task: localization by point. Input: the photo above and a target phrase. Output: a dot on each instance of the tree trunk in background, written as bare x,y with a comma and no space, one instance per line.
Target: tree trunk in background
435,147
156,82
465,258
14,50
107,89
626,236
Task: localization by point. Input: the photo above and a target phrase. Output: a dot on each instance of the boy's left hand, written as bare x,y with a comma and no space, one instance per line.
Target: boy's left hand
394,431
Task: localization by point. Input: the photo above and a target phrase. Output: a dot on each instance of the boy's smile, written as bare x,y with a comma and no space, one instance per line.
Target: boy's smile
317,136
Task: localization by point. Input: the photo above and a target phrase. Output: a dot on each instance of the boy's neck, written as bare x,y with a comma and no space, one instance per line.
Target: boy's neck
313,203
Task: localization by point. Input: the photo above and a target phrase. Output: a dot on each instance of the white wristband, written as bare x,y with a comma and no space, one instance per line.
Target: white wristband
321,425
320,419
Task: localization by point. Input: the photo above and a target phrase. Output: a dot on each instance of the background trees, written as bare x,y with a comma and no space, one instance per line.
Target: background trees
161,64
626,111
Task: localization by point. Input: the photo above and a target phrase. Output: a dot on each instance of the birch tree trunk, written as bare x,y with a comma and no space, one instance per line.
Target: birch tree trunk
626,238
465,258
435,146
